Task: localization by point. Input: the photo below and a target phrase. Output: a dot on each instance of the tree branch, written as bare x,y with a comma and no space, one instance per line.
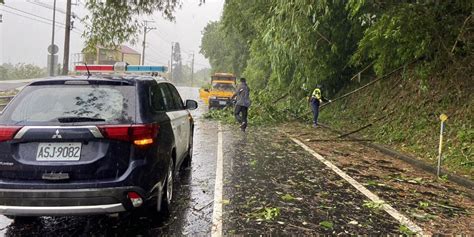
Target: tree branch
460,33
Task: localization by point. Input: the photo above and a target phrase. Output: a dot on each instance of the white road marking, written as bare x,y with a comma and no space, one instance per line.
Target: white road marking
217,211
389,209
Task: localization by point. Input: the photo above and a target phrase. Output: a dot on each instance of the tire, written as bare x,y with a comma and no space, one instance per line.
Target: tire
189,158
167,198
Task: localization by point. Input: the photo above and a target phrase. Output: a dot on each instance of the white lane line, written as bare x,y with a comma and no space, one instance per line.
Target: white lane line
389,209
217,211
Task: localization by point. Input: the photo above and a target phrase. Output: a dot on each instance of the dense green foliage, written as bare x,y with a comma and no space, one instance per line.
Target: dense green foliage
224,55
288,46
434,31
405,116
20,71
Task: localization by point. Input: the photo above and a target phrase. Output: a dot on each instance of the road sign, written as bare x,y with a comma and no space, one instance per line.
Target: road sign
53,49
443,117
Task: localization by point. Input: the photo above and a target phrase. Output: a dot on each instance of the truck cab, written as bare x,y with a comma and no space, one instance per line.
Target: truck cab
219,94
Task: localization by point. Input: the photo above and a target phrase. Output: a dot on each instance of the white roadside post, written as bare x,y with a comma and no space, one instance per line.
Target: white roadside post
443,118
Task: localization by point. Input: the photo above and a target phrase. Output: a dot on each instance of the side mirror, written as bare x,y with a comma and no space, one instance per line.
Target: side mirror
191,104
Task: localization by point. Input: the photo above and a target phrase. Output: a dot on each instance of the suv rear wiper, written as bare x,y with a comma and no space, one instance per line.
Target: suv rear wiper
79,119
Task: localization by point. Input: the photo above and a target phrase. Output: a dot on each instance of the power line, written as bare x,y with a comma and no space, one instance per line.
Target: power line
160,56
185,50
41,4
154,60
159,36
31,14
158,53
168,41
74,15
37,20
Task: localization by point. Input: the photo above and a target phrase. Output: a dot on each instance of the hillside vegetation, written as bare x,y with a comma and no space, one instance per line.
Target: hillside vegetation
404,113
285,48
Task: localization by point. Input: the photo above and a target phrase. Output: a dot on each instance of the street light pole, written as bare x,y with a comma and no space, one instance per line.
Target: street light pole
146,29
51,66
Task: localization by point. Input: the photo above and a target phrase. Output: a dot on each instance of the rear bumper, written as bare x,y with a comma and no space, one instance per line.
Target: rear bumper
63,202
63,211
219,103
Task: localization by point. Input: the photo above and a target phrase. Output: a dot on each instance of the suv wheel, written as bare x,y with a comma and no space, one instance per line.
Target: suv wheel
168,194
189,158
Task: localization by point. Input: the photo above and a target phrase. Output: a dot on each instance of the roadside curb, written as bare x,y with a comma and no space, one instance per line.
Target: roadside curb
415,162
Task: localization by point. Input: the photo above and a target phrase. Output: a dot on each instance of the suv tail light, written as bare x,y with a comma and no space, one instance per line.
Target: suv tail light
135,199
8,132
138,134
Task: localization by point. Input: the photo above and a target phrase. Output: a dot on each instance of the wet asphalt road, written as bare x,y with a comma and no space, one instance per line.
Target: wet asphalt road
273,186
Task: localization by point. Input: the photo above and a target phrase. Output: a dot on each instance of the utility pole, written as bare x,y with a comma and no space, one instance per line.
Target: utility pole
51,66
171,61
192,71
146,29
67,34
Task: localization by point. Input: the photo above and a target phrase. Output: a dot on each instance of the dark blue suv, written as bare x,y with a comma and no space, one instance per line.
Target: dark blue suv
98,145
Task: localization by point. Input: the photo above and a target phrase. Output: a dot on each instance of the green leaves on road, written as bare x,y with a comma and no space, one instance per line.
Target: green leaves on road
288,197
327,225
267,213
375,206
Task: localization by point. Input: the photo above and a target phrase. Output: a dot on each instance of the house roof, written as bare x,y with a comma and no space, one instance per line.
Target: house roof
123,49
127,50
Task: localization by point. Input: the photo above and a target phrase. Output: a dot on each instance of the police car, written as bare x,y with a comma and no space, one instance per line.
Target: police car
93,144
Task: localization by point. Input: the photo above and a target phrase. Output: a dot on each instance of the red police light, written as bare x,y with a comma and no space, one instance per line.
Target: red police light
94,68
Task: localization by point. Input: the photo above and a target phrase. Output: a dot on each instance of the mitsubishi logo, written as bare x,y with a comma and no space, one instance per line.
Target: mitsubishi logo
57,135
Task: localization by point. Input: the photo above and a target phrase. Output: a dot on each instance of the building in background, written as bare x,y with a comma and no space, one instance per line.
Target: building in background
106,56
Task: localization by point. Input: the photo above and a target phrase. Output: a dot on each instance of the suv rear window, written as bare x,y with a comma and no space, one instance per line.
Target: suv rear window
45,104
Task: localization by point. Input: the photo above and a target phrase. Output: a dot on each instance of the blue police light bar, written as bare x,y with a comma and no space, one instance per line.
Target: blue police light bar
136,68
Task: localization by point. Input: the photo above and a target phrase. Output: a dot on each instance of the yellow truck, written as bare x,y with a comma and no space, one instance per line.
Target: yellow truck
221,90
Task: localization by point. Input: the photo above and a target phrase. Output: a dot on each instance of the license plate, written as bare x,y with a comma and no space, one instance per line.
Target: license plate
222,102
59,151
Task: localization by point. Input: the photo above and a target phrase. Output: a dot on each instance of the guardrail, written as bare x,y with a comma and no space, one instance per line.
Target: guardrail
4,101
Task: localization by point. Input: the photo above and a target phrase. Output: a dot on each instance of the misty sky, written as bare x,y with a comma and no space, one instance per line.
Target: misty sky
25,38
